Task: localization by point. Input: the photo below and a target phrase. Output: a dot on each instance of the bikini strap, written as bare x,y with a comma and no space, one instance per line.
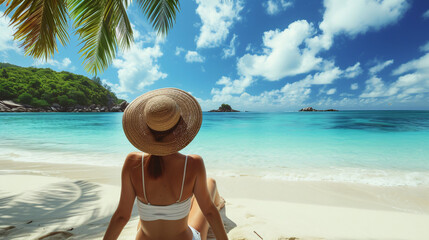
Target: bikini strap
144,189
183,180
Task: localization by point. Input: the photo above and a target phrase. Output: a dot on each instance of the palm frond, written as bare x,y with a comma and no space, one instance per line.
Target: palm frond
161,13
119,19
38,24
101,25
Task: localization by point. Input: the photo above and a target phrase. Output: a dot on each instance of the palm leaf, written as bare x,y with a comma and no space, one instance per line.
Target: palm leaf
124,32
101,25
161,13
38,24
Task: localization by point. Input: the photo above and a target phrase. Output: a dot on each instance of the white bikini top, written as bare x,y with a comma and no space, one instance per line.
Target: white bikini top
174,211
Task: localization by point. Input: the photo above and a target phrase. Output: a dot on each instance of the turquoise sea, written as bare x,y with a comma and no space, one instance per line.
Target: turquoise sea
386,148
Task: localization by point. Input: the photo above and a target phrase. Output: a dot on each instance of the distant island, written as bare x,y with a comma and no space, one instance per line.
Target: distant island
310,109
224,108
30,89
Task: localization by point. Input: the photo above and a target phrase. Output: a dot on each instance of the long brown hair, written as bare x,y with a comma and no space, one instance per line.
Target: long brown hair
155,164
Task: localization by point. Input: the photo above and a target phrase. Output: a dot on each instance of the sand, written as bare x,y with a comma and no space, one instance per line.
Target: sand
59,201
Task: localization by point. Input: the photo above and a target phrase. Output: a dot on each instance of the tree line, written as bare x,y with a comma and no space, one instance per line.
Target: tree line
42,87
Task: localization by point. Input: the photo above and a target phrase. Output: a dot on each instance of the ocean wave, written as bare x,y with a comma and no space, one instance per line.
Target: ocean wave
359,175
373,177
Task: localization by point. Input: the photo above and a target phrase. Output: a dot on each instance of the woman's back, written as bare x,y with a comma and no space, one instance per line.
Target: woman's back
162,202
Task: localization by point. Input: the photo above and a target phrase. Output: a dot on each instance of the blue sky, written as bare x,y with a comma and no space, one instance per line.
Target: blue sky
271,55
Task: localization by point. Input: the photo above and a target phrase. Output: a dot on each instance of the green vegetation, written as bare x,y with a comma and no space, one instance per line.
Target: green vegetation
41,87
225,107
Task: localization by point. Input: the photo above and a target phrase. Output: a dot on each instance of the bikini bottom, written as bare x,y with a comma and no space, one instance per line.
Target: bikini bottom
195,233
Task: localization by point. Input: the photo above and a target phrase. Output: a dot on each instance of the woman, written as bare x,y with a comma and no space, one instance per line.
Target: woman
174,198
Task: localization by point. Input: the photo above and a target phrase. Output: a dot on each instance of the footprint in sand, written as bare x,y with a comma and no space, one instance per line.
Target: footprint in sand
56,236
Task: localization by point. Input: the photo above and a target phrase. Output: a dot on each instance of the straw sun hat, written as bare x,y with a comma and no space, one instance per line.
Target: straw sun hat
170,113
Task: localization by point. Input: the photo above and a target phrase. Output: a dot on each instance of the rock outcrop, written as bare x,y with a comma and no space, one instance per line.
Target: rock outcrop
310,109
224,108
10,106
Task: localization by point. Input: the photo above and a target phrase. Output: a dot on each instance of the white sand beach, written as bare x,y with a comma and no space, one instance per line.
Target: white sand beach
58,201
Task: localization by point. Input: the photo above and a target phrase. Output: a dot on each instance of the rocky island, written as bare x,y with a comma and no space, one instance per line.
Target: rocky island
30,89
310,109
224,108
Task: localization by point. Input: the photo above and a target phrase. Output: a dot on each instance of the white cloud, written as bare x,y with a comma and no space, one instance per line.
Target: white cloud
231,87
295,92
114,87
374,88
230,51
249,47
319,42
353,71
290,94
52,62
6,36
179,50
425,48
138,68
217,17
148,36
273,7
414,80
282,54
295,50
327,77
355,17
426,14
66,62
331,91
380,66
193,56
136,33
293,96
421,64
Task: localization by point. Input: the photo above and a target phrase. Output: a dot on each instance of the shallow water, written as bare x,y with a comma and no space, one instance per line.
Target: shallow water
371,147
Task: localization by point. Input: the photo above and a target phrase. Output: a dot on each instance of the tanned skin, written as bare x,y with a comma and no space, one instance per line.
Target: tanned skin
165,190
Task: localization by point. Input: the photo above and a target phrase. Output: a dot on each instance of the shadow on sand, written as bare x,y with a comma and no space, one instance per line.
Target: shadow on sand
64,210
57,211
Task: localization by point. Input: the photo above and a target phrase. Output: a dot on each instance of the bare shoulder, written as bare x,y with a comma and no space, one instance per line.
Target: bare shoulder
132,160
196,161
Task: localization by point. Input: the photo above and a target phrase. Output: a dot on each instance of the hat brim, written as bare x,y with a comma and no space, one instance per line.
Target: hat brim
141,136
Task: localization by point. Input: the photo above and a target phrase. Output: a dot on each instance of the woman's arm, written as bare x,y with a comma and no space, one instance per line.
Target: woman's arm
123,212
205,201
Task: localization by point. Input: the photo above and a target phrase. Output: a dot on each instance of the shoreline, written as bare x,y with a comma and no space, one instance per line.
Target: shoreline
272,208
383,177
11,106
